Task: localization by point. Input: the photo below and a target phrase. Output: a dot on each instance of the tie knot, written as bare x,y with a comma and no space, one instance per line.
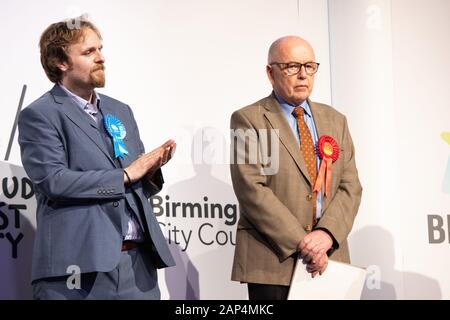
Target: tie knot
298,112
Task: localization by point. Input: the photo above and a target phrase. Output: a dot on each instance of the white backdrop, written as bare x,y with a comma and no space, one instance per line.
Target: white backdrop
391,75
184,66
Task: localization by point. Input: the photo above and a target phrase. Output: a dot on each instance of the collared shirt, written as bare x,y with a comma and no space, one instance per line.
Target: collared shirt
134,231
90,108
292,121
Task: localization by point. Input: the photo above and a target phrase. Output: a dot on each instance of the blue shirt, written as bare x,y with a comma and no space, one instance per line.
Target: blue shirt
292,121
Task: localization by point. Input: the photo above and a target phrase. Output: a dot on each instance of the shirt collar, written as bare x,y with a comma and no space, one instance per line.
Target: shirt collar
79,100
288,108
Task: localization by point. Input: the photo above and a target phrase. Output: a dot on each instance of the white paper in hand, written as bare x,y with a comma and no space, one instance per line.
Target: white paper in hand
340,281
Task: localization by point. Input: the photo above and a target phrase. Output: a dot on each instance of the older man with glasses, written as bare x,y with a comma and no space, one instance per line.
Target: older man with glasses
307,206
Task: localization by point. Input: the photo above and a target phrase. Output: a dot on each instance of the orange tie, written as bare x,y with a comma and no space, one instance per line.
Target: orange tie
308,152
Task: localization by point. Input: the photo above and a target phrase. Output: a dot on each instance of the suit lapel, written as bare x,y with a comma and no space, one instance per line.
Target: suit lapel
277,120
80,119
323,127
321,121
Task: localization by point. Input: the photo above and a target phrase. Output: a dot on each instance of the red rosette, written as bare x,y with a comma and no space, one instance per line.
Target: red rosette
327,147
328,151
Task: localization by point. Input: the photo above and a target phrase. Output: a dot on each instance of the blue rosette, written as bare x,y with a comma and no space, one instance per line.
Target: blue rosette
118,132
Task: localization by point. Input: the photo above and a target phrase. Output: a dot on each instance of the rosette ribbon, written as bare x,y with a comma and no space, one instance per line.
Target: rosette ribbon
117,131
328,151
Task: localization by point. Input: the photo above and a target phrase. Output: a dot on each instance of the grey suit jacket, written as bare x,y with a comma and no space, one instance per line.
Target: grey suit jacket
80,192
276,209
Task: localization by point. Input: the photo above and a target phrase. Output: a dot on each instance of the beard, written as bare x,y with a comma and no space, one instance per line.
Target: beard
97,76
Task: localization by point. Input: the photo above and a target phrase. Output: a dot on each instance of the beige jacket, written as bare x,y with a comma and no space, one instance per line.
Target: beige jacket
276,209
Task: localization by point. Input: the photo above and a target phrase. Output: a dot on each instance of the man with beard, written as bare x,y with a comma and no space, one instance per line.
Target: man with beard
96,236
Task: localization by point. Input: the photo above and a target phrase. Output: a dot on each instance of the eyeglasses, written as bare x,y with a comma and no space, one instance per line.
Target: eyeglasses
293,68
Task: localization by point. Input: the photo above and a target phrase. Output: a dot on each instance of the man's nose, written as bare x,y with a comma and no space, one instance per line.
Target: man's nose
302,73
99,58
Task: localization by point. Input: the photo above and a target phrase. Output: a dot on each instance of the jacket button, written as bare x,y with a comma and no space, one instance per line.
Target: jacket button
115,204
308,228
309,197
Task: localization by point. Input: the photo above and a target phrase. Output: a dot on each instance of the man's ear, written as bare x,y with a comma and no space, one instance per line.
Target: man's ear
63,66
269,72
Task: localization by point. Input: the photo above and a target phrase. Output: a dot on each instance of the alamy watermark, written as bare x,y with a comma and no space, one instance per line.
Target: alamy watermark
74,279
210,146
75,23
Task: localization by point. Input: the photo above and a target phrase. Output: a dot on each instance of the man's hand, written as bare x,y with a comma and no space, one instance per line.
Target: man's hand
319,265
147,164
314,242
313,249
